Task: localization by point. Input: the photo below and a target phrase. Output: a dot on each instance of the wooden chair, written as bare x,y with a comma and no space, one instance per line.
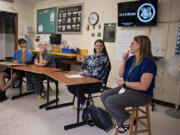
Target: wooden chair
138,114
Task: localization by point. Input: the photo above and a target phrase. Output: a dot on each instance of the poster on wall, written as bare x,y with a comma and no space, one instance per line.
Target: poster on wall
69,19
109,32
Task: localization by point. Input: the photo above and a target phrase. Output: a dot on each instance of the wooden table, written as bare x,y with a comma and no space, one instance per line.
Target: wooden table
37,70
10,64
61,78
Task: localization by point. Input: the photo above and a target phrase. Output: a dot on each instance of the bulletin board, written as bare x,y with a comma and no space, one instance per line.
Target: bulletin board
109,32
69,19
46,21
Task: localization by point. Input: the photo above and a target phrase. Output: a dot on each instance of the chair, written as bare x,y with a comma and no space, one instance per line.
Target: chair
103,88
58,65
138,114
89,99
57,61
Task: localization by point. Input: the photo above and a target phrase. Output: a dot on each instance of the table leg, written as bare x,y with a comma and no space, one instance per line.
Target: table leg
49,102
11,85
77,124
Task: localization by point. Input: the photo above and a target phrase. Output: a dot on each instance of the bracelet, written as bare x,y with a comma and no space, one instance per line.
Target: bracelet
124,85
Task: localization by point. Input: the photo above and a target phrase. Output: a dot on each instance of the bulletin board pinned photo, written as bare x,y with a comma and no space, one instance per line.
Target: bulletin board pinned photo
69,19
109,34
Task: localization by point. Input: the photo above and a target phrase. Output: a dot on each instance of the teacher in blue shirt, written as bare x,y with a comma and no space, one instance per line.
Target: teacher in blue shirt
136,86
21,56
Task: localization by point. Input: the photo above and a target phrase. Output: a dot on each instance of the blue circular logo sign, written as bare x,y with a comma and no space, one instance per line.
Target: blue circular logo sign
146,12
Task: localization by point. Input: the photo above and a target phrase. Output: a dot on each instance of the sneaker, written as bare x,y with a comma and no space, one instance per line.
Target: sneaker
2,96
42,95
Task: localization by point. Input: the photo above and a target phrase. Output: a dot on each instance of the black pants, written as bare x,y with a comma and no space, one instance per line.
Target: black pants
83,89
36,81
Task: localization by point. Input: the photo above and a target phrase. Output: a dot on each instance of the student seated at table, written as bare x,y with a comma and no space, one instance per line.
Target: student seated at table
97,66
42,59
136,87
21,56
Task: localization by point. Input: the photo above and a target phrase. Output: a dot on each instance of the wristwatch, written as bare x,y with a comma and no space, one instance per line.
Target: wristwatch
124,85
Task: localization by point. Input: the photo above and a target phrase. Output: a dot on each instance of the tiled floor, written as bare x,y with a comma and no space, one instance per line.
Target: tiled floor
23,117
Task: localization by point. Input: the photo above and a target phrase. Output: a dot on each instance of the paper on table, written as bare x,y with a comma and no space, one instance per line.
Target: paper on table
74,76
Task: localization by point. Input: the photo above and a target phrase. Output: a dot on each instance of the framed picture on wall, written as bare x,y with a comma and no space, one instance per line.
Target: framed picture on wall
69,19
109,34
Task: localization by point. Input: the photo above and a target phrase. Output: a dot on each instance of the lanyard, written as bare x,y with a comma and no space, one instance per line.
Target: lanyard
131,69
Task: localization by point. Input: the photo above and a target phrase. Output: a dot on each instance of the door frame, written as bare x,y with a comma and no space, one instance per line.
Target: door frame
16,32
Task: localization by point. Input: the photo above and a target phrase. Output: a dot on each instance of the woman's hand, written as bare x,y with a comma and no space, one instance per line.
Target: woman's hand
85,72
80,73
119,81
125,55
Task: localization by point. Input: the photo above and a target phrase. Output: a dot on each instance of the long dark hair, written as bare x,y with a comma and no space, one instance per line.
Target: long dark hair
104,49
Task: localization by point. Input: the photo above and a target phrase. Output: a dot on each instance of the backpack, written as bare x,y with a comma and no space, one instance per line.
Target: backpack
96,116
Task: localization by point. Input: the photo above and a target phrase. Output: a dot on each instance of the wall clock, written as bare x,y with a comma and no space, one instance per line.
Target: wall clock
93,18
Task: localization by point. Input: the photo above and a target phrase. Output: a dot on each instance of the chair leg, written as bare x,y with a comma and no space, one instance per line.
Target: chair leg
145,114
73,99
20,85
89,100
148,120
132,120
117,132
136,126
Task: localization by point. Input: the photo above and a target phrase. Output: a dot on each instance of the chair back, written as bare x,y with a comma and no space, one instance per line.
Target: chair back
57,61
106,80
33,58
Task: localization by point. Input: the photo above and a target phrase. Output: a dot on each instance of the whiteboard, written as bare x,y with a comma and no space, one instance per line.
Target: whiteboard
125,38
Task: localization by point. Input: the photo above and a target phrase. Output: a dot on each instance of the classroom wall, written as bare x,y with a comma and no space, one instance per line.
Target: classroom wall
25,12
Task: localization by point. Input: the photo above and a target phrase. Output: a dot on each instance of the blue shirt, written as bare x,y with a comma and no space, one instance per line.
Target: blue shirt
146,66
18,56
98,66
